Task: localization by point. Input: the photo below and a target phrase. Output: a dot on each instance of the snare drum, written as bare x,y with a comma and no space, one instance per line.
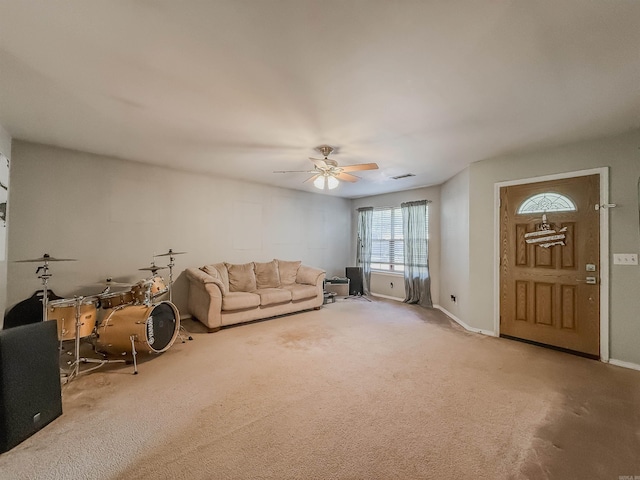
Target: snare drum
112,300
155,285
154,328
64,312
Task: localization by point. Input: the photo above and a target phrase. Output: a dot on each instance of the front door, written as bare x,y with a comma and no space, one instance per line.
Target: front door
550,263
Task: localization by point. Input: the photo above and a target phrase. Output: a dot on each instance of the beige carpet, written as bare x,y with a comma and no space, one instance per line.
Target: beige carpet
357,390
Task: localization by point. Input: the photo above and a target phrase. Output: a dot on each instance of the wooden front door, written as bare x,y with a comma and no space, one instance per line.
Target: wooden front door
550,271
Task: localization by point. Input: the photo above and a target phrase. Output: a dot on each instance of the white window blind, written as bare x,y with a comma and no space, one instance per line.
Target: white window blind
387,252
387,240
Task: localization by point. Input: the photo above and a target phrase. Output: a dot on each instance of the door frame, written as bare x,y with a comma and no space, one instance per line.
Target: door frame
604,247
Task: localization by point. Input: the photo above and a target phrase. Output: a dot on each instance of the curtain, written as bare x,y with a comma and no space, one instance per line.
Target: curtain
363,249
417,282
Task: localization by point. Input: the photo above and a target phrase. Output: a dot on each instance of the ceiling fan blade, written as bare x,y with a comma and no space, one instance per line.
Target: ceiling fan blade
294,171
360,166
319,163
346,177
312,178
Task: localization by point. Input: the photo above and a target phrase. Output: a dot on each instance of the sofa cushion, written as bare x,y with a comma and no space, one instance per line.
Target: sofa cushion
219,271
267,275
302,292
242,278
240,301
288,271
273,296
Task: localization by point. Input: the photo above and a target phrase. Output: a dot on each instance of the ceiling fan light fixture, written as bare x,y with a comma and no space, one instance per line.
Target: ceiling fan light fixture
326,181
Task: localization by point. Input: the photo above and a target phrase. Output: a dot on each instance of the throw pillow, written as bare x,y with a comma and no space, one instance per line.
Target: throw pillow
242,278
219,271
308,276
288,271
267,275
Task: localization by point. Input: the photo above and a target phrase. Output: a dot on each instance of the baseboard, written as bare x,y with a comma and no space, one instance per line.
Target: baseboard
621,363
463,324
388,297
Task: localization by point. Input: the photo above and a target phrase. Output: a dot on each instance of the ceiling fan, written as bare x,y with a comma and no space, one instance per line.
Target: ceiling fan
327,173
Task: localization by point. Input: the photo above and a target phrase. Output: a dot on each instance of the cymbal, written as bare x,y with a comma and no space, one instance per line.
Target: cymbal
46,258
153,269
169,253
108,283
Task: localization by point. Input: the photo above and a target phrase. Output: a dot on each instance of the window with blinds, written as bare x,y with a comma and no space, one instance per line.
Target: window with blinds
387,240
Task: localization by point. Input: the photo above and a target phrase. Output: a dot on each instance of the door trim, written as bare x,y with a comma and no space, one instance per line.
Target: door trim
604,247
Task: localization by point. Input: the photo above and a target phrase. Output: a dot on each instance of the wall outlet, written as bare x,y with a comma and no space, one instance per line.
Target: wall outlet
453,298
391,283
625,259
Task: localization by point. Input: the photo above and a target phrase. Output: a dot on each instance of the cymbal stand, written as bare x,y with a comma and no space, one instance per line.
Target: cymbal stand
183,331
75,365
45,276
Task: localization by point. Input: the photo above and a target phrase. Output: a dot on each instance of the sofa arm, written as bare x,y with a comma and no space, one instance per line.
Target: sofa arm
196,275
205,298
309,275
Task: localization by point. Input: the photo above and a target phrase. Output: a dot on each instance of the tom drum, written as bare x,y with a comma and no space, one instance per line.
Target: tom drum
112,300
155,285
154,329
64,313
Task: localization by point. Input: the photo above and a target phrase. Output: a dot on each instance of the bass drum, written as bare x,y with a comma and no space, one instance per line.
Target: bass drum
154,329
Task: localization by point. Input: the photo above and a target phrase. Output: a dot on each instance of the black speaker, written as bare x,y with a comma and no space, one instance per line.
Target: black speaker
27,311
354,274
30,395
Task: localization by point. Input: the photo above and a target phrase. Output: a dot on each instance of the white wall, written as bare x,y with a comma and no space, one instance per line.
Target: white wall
621,153
5,148
113,215
381,285
454,252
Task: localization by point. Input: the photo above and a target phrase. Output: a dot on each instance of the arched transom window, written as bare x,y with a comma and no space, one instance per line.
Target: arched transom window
547,202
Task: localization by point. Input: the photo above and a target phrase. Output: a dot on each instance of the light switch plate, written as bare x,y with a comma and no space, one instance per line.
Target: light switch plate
625,259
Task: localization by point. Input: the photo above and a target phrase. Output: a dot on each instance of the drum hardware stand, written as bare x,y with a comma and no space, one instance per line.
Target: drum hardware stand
134,353
358,296
171,254
45,286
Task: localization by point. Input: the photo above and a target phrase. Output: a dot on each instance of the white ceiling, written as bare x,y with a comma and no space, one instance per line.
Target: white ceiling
240,88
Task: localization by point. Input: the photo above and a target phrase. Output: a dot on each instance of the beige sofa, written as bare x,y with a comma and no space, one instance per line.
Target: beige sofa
225,294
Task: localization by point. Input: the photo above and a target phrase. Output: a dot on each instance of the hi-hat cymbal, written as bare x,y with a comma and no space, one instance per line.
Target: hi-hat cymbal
153,269
169,253
46,258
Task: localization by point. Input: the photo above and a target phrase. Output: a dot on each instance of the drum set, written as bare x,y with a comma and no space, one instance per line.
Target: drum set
122,323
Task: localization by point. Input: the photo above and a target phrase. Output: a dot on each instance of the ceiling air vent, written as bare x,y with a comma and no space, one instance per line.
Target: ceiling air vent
406,175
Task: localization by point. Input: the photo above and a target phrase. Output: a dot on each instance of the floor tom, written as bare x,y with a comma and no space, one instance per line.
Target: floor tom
64,312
